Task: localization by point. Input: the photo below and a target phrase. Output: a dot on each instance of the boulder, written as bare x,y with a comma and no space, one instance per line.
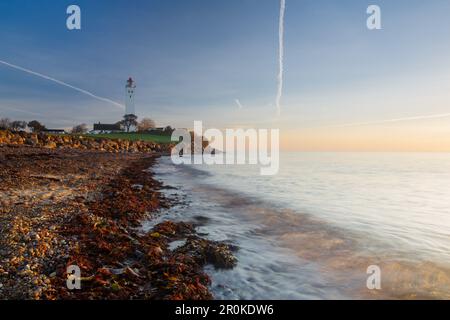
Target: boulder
50,145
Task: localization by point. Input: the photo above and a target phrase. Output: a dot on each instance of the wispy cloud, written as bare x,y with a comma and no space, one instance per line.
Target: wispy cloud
239,104
40,75
412,118
39,116
20,110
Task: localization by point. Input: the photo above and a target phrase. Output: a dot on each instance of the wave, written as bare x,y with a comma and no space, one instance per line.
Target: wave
303,255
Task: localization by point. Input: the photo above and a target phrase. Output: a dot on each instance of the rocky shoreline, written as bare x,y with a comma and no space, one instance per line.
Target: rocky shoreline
40,140
85,207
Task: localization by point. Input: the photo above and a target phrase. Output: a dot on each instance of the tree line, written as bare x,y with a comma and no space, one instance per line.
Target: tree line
18,125
145,125
128,121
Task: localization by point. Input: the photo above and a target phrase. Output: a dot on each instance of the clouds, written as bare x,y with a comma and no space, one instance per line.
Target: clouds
238,103
412,118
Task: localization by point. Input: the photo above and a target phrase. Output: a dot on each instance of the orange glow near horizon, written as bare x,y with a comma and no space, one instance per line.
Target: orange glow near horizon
411,137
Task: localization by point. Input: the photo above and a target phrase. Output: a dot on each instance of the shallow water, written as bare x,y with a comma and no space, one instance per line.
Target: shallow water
311,231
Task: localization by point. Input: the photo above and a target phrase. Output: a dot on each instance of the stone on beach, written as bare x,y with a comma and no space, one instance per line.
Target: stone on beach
8,138
77,204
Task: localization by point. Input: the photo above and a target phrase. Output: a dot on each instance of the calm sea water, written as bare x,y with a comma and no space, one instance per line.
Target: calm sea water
311,231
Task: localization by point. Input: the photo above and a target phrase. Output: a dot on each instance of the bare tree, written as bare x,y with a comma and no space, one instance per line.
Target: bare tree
129,120
80,129
146,124
18,125
5,124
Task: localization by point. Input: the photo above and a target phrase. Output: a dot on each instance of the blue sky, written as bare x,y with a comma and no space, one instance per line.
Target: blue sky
193,58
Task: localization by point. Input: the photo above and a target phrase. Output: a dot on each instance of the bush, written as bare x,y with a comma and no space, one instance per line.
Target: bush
36,126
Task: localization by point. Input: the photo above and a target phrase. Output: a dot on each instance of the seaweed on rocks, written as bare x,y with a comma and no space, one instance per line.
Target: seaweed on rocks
71,206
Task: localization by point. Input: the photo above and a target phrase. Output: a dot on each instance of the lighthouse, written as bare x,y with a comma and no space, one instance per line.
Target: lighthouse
129,100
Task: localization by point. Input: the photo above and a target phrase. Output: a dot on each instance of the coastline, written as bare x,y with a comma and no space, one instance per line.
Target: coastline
69,206
120,216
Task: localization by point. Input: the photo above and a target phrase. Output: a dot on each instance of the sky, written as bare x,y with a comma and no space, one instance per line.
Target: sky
217,61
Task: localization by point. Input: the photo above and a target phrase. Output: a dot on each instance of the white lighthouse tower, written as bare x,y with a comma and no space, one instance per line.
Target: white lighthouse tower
129,101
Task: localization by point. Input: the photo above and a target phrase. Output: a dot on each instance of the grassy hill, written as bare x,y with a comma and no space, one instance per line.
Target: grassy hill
132,136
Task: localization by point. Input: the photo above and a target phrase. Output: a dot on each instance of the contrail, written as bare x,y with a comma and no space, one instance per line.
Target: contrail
239,104
280,55
90,94
431,116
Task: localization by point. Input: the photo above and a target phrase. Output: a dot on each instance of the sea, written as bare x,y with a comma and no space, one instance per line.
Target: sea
324,226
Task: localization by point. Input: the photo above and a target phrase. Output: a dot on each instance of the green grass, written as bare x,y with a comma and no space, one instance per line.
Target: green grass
132,136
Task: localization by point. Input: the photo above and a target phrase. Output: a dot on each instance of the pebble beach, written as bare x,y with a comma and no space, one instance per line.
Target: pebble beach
74,201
